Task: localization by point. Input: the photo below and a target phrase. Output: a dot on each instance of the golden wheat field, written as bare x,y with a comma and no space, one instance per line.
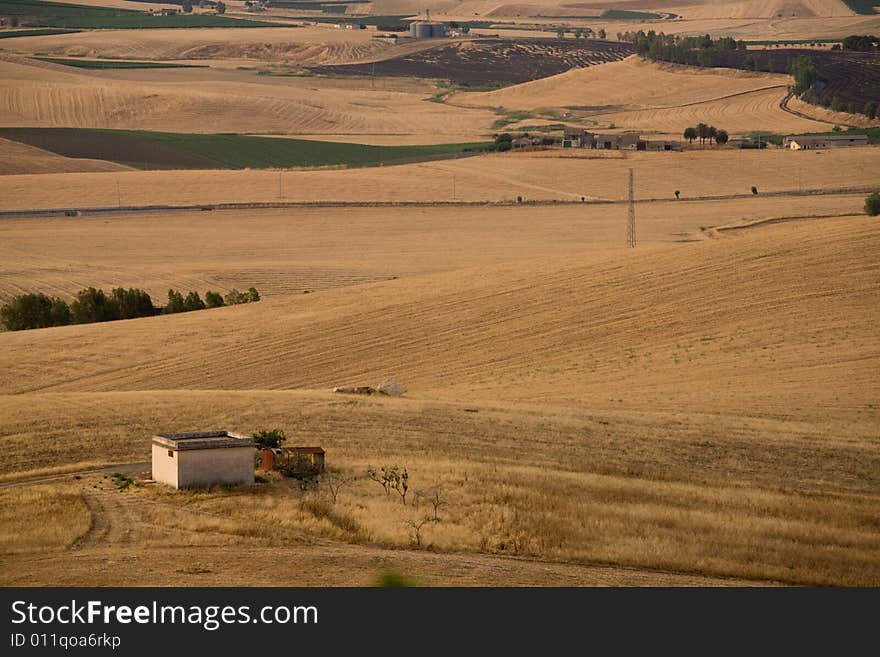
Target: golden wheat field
645,409
50,95
700,410
654,97
535,176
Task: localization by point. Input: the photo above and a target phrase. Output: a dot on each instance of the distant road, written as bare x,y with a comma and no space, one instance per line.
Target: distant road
136,209
122,468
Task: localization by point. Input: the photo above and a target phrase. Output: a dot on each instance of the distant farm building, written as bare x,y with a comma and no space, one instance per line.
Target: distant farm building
660,145
427,30
810,143
210,458
163,12
628,141
577,138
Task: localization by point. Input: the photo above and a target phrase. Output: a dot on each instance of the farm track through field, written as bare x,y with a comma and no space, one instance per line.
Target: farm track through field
138,209
783,105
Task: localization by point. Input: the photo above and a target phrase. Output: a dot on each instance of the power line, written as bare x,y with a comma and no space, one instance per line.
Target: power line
631,221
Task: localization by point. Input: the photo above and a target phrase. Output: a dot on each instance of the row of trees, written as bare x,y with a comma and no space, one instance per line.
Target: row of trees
38,310
706,133
580,32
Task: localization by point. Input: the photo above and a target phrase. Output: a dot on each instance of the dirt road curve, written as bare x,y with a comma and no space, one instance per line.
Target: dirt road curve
123,468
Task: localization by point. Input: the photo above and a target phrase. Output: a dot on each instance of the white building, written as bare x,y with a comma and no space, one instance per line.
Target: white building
211,458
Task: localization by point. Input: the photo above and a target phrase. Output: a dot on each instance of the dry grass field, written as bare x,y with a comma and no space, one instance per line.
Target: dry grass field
539,175
704,408
290,251
700,410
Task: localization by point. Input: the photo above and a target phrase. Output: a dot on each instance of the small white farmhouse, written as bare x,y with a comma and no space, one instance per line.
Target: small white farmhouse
209,458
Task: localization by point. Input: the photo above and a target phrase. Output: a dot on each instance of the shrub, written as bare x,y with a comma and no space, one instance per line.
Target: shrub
213,299
92,305
30,311
871,109
872,205
269,437
754,190
253,295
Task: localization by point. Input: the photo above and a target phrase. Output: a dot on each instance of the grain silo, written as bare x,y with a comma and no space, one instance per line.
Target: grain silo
427,30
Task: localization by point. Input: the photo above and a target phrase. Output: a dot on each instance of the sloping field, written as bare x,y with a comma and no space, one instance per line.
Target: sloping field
638,95
541,175
299,46
801,314
705,408
632,84
285,251
44,96
765,9
19,158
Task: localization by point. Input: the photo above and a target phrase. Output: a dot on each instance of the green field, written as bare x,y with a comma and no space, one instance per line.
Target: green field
100,64
624,15
164,150
27,33
56,14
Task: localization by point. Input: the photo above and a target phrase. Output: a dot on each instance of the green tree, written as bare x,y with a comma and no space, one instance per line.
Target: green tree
871,109
872,205
269,437
253,295
175,302
133,303
601,33
92,305
213,299
805,74
690,134
193,302
702,132
221,7
32,311
721,137
187,6
837,104
59,312
560,33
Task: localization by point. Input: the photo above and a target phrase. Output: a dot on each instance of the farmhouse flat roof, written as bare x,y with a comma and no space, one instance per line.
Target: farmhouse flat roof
202,440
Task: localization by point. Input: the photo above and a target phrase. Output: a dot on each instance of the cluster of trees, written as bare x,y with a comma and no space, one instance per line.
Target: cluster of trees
177,303
694,51
861,43
37,310
706,133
